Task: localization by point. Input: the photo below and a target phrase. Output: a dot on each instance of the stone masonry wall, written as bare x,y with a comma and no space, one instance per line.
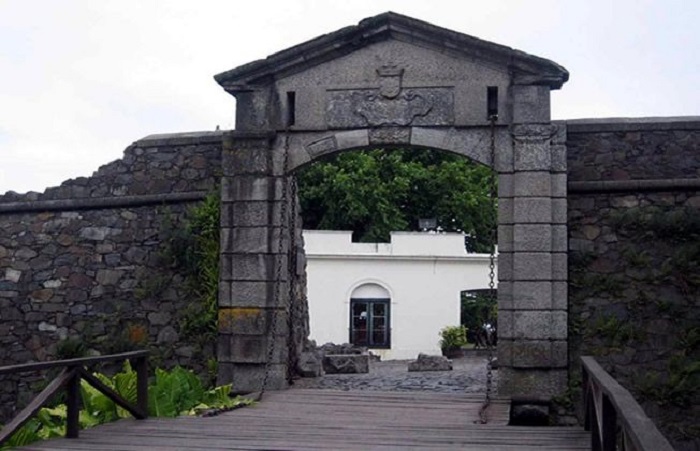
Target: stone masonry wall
634,260
85,262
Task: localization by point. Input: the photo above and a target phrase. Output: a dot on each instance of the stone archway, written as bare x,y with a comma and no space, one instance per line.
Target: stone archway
396,81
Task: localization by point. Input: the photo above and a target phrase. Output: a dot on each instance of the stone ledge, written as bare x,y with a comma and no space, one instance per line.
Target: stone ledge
180,139
614,186
96,203
623,124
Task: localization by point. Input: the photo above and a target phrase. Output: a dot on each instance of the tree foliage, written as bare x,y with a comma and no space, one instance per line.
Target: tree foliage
374,192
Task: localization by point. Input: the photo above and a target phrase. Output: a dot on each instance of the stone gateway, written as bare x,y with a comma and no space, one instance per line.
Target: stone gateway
393,81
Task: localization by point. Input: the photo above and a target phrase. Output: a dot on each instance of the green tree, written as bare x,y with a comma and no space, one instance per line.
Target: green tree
374,192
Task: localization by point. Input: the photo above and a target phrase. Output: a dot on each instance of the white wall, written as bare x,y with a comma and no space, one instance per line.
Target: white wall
423,272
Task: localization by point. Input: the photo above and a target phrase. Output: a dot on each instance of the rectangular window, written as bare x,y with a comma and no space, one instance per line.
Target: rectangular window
369,323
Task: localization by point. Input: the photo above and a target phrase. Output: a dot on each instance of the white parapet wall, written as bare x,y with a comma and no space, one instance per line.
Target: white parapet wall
421,273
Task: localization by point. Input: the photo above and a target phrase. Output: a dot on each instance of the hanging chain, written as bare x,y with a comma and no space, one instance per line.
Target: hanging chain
284,223
483,417
292,280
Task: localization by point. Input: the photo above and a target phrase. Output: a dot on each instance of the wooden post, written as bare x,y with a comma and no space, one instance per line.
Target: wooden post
141,364
587,401
609,425
73,404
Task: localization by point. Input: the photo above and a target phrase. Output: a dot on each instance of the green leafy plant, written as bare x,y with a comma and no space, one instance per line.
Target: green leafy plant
194,249
678,386
70,348
171,393
453,337
374,192
615,332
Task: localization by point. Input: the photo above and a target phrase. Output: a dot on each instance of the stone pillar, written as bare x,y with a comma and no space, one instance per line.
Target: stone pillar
251,263
532,322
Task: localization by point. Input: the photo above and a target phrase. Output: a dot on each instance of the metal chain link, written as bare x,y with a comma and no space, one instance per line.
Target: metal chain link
483,417
284,223
292,279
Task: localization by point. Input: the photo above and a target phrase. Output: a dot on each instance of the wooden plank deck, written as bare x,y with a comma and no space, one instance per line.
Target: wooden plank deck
300,419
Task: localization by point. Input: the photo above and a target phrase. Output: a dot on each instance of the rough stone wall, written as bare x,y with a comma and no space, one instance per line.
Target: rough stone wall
157,164
85,262
634,259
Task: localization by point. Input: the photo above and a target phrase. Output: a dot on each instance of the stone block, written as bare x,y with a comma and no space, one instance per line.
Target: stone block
532,354
252,320
168,334
532,238
224,294
321,146
559,238
310,364
559,211
253,267
505,351
559,163
251,188
505,185
252,294
560,353
531,104
389,136
253,240
504,156
352,139
298,156
560,265
532,325
346,364
560,133
428,137
505,295
250,349
426,362
248,378
505,267
559,185
532,383
532,184
532,156
246,160
559,325
532,295
532,210
505,238
539,354
256,213
505,325
505,211
532,266
560,295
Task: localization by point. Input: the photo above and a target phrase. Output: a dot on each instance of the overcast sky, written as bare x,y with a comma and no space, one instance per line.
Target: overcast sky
81,80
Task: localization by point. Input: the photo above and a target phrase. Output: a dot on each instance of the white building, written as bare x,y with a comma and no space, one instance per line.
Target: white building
391,297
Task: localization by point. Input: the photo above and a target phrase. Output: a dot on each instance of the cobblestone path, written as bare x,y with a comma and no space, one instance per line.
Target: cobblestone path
468,376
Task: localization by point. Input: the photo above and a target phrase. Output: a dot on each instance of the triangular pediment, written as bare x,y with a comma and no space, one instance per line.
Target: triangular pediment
523,67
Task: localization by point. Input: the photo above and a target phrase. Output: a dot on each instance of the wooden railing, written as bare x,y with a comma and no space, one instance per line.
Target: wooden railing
72,371
609,405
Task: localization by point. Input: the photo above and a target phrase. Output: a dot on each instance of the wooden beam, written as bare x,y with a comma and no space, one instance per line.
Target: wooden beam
35,366
136,411
641,431
37,403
